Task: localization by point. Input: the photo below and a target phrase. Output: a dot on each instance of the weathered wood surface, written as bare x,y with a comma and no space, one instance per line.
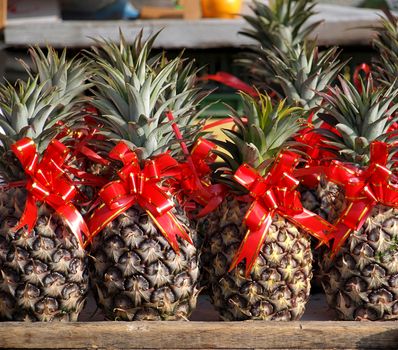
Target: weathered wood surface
342,26
201,335
315,331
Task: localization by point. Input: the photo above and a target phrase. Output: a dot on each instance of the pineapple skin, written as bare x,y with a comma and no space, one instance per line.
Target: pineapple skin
279,284
43,273
316,200
361,281
136,275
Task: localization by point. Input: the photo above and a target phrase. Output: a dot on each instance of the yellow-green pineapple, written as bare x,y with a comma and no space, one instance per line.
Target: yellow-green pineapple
278,285
43,273
360,282
135,273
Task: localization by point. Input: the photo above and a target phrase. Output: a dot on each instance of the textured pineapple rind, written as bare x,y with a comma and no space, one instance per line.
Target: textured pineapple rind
361,282
279,284
43,273
136,275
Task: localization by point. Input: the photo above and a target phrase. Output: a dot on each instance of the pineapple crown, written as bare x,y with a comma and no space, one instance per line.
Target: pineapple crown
34,108
303,72
68,76
282,24
359,118
278,28
285,60
26,111
257,139
133,90
386,43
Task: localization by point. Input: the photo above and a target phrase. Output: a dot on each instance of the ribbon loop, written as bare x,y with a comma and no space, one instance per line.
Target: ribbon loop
270,199
25,150
123,153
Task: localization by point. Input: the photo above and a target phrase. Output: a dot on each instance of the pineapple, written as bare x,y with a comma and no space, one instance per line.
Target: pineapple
288,62
43,273
135,273
360,281
278,286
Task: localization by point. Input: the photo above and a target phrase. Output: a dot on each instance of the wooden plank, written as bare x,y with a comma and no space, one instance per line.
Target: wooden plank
201,335
342,26
192,9
160,12
3,13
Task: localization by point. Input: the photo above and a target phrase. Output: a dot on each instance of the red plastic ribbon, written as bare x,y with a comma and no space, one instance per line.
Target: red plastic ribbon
365,68
317,157
195,178
231,81
81,136
274,194
139,186
78,141
48,183
194,175
363,189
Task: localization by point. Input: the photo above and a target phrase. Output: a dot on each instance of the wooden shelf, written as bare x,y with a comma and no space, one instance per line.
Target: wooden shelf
316,330
342,26
200,335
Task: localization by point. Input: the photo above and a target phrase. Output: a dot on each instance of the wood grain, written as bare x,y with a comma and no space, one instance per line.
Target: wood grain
3,13
200,335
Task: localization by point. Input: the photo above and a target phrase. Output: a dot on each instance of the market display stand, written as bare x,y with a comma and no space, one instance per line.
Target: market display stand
317,330
201,335
341,26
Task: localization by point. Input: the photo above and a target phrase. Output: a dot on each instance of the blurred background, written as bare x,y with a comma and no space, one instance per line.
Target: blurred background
207,30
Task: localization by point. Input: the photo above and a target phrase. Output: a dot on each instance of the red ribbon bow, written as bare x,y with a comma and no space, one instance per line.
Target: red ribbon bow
274,194
140,186
48,183
363,189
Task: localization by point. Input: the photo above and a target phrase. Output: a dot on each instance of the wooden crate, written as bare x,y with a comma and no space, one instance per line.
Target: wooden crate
317,330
